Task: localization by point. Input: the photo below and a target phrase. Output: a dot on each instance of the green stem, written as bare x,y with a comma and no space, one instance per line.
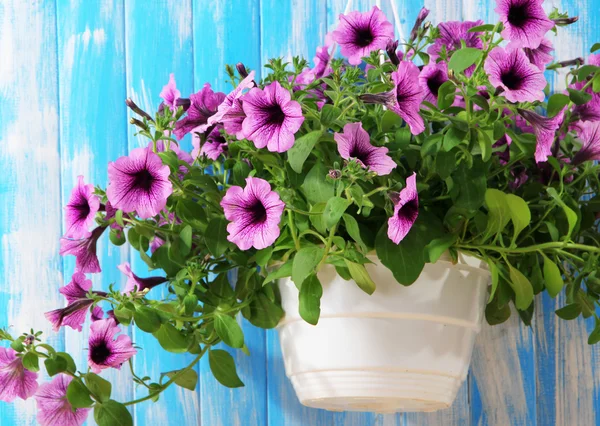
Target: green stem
328,244
534,248
375,191
316,234
293,231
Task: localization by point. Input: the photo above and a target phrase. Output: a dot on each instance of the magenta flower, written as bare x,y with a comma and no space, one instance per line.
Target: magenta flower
15,380
354,143
225,112
594,59
406,210
589,111
135,283
54,409
589,134
203,105
81,210
139,182
451,35
545,131
322,61
104,350
359,34
541,55
254,212
272,118
84,251
511,70
170,95
214,145
525,22
431,78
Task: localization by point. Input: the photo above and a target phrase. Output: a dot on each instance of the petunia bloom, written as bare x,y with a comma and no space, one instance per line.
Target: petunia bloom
203,105
15,380
322,60
354,143
423,14
84,251
54,409
359,34
214,145
525,22
104,350
406,97
541,55
81,210
139,182
452,34
254,212
224,110
272,118
431,79
589,111
170,95
589,134
406,210
545,131
510,70
136,283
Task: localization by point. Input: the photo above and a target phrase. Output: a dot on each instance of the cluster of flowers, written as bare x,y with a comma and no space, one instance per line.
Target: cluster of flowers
410,160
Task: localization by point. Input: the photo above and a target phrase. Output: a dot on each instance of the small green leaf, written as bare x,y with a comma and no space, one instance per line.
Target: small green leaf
302,148
361,277
284,270
329,114
578,97
316,186
556,103
229,330
594,335
31,362
223,368
216,236
439,246
305,262
71,367
552,277
584,72
146,319
112,413
185,236
263,256
495,279
78,395
98,386
522,288
595,46
519,214
334,209
446,95
263,312
464,58
188,379
571,215
353,230
171,339
482,28
498,212
453,137
55,365
569,312
310,299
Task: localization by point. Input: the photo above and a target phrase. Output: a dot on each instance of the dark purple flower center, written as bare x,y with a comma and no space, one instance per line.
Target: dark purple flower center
100,352
511,79
363,37
143,180
257,212
435,82
360,155
83,208
518,15
276,115
410,210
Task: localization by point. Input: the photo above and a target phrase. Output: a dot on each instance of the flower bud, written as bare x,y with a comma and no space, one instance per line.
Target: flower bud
570,63
29,340
335,174
241,69
423,13
390,49
133,106
561,22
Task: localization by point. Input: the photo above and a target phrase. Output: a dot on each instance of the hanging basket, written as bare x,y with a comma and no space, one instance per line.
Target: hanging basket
399,349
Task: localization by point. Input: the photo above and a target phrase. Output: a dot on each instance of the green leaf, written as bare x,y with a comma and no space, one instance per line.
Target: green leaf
498,212
301,149
446,95
192,213
594,335
71,367
263,256
329,114
78,395
310,299
482,28
552,277
229,330
584,72
316,219
117,237
361,277
31,362
354,231
556,103
98,386
171,339
569,312
147,319
216,236
55,365
471,185
305,262
522,288
185,236
495,279
485,144
112,413
403,137
124,315
445,163
284,270
241,170
595,46
188,379
190,302
439,246
263,312
464,58
316,186
223,368
519,214
571,215
453,137
578,97
390,120
334,209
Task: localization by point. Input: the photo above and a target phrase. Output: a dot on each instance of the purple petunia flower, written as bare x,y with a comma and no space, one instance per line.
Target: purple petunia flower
134,282
214,145
322,60
84,250
54,409
272,118
590,111
423,14
594,59
104,350
406,210
511,70
541,55
432,76
525,22
81,210
452,33
545,131
359,34
15,380
504,141
230,109
354,143
170,95
203,105
589,134
139,182
254,212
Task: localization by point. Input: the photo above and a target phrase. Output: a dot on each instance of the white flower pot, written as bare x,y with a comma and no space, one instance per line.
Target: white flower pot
400,349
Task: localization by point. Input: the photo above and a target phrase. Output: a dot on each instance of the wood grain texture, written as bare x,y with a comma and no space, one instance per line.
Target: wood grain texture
66,67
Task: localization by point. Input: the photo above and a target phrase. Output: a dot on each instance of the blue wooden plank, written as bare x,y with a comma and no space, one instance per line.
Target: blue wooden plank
90,42
30,217
227,33
158,42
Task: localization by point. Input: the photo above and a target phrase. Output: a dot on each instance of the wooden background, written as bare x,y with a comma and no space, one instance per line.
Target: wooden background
66,67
